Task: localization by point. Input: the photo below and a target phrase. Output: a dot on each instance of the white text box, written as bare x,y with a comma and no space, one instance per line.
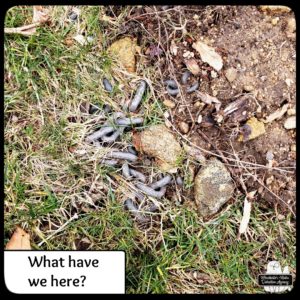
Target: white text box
80,272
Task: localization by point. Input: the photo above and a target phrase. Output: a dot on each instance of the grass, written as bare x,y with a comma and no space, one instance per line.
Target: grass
47,182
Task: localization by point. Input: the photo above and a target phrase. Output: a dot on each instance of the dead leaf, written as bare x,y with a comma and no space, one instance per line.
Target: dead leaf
108,19
153,51
40,14
274,8
277,114
246,217
20,240
209,55
192,66
209,99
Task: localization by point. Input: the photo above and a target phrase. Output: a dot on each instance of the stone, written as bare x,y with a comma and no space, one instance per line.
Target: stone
254,128
184,127
213,187
199,119
188,54
275,21
293,147
248,87
290,123
158,142
213,74
192,66
231,74
291,111
169,103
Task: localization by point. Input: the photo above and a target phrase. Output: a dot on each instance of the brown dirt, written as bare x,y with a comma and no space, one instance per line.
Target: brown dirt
261,47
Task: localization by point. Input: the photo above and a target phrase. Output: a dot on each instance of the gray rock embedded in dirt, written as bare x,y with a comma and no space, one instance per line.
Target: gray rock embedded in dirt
213,187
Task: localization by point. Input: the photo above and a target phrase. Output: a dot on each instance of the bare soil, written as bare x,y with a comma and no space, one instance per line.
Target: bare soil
261,48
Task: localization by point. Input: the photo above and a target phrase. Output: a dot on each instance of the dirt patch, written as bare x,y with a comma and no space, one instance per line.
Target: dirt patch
258,52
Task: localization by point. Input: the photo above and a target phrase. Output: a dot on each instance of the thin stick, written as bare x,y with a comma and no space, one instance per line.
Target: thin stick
228,158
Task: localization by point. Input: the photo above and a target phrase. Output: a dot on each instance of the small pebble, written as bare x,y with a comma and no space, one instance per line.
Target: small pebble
269,180
179,180
90,39
198,104
199,119
169,103
275,21
293,147
213,74
184,127
280,217
166,114
73,16
291,111
269,155
193,66
248,88
290,123
231,74
147,162
14,118
107,108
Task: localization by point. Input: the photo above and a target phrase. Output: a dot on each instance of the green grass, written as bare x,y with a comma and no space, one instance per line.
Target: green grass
46,182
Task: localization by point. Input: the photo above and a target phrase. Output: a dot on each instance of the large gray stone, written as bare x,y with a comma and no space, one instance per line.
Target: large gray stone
213,187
